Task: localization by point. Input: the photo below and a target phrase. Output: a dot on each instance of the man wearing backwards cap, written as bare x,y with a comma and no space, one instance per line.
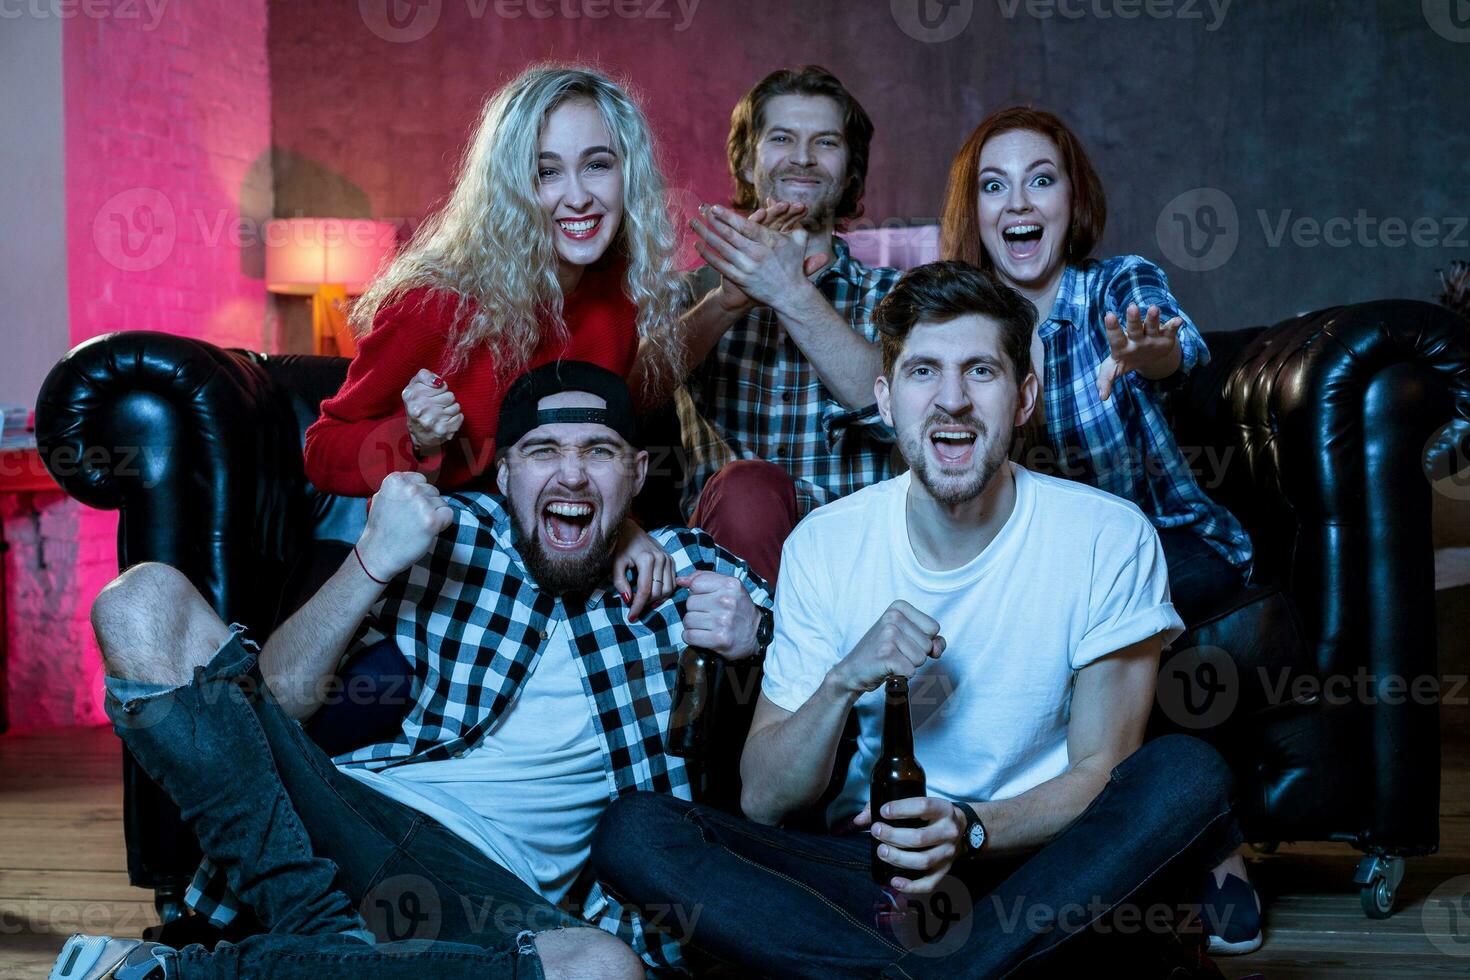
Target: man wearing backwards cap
535,701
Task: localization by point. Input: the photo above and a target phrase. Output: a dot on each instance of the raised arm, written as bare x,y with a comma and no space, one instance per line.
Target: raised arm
404,518
713,312
363,433
702,325
1146,330
772,268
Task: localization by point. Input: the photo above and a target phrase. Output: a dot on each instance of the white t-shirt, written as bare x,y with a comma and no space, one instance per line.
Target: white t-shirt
1075,574
529,795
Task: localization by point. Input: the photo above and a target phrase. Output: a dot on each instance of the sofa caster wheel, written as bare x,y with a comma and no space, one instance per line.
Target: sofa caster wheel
1379,876
1377,899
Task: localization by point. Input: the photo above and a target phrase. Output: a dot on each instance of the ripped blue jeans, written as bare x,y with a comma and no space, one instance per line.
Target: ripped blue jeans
349,882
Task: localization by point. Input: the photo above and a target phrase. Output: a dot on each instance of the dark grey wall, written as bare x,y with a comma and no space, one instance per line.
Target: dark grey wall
1299,112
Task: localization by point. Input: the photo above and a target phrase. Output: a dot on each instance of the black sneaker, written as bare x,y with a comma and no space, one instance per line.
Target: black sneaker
1231,914
103,958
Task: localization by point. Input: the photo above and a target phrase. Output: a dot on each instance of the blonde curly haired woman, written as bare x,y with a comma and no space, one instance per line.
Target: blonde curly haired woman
555,244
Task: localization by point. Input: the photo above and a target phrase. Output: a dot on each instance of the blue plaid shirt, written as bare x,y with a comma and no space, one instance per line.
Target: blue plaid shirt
1124,445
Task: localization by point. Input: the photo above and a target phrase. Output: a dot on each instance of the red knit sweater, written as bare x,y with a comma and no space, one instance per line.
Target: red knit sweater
362,434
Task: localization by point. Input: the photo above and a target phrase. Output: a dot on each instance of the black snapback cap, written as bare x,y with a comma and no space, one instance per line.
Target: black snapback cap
519,413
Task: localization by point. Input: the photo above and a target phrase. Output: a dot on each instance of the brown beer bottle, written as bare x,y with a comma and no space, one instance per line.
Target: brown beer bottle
897,774
693,688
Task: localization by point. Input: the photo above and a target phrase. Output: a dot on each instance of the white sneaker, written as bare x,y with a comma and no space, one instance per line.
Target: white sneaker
104,958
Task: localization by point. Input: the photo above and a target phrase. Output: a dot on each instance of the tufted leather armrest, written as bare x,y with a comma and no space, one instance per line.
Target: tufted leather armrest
196,447
1333,412
198,450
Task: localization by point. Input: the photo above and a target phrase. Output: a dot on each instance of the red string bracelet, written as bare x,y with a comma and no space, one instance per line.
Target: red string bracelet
364,568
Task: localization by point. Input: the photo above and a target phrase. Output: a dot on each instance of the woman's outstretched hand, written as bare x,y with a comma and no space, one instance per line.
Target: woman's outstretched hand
1142,344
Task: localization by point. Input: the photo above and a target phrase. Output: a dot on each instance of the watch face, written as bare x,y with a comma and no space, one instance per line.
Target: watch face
977,837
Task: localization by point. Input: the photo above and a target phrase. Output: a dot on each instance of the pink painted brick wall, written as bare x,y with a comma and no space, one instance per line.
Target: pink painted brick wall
54,675
167,182
168,171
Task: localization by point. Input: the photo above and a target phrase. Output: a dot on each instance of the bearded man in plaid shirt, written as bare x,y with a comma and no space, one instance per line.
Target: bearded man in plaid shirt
776,412
535,702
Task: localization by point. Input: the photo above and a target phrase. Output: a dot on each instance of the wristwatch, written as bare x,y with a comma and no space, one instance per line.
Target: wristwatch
765,631
974,837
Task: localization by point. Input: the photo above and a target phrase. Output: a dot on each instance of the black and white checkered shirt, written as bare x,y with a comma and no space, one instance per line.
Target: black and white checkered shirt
756,396
471,620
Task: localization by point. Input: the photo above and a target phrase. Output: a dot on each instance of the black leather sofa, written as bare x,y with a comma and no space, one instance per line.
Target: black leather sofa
1313,431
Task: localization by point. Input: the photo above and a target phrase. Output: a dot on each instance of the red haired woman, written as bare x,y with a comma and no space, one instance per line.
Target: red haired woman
1025,204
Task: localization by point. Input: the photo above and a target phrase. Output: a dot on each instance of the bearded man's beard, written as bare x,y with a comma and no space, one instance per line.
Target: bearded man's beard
820,213
956,490
575,574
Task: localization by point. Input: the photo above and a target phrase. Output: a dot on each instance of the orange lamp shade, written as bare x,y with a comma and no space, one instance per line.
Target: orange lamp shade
304,253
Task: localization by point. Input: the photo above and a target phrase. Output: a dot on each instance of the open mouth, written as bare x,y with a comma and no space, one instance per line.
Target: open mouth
580,229
1022,240
566,524
953,446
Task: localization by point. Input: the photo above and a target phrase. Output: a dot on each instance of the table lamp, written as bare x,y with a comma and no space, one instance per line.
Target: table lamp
327,259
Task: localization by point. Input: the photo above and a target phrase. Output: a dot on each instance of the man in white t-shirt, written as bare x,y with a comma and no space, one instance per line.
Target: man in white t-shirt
1029,614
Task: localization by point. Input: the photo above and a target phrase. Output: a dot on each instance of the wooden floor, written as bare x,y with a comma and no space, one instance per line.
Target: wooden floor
62,870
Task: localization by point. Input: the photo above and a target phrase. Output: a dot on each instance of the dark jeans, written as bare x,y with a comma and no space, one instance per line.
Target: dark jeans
749,508
790,904
1200,579
308,847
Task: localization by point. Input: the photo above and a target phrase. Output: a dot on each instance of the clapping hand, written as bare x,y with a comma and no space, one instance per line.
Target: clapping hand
760,257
